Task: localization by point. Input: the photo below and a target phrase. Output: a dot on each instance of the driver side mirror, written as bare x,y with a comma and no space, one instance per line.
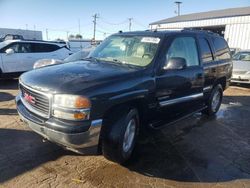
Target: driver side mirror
9,51
175,63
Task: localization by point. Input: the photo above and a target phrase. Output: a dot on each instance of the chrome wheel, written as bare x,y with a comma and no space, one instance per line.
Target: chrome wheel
216,100
129,135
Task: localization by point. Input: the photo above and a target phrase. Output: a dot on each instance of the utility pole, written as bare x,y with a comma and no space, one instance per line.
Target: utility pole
79,27
67,32
47,34
94,21
130,23
178,3
34,31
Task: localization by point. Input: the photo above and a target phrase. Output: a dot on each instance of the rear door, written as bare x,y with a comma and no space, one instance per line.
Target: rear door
208,62
40,51
181,91
223,58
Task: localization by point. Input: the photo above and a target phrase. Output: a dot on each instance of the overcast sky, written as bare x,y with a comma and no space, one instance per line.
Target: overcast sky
62,16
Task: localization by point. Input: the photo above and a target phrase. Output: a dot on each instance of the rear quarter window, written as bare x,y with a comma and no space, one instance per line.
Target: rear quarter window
222,51
206,52
43,48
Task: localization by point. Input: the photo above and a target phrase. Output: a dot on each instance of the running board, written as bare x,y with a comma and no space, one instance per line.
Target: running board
164,123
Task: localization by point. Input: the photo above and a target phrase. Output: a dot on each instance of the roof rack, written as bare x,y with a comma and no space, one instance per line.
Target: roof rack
200,30
183,29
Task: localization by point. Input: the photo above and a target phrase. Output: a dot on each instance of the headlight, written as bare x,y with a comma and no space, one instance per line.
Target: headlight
71,107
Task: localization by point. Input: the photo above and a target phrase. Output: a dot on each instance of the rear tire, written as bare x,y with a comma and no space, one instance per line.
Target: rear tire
214,101
119,137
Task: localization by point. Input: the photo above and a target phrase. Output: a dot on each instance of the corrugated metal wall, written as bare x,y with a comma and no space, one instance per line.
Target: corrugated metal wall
237,31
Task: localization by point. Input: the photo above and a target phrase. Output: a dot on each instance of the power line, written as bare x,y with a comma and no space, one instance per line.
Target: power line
138,23
110,23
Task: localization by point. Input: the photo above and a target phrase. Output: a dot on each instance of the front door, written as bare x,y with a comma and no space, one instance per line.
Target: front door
16,62
180,90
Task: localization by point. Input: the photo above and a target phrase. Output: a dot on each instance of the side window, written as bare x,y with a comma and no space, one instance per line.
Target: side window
19,47
206,53
14,47
43,48
184,47
24,48
221,49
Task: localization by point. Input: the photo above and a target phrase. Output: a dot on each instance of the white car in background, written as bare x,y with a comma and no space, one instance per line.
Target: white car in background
74,57
241,67
18,56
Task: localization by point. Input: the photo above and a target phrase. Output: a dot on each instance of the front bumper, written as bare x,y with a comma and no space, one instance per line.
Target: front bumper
75,141
242,78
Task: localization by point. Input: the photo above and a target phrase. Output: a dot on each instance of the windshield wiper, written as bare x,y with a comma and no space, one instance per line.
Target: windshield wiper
91,59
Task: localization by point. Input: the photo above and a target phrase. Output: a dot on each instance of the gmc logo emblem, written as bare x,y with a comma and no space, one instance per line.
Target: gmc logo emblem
29,98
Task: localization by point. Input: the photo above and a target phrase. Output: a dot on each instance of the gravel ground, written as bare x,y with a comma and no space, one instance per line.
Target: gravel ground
197,152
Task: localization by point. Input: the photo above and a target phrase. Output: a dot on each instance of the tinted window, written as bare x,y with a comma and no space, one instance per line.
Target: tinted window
206,53
41,47
221,48
184,47
242,56
18,48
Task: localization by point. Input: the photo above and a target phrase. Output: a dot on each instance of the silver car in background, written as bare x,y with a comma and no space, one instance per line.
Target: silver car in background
73,57
241,67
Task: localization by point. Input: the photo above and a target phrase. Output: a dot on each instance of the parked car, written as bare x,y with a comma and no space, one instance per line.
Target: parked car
73,57
129,81
241,67
11,37
18,56
233,51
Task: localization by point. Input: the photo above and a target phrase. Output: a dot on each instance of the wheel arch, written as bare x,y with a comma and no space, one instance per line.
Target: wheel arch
222,81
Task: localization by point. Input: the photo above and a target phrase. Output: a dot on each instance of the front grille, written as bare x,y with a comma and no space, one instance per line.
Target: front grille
239,72
40,102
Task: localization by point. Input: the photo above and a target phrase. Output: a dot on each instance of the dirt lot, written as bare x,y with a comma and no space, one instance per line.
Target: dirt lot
197,152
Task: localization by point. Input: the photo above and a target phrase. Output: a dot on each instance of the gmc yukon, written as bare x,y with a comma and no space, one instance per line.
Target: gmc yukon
130,80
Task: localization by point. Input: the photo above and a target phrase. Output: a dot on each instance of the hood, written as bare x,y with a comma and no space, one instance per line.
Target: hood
241,65
75,77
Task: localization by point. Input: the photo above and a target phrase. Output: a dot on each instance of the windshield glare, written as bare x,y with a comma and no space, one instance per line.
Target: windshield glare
243,56
133,50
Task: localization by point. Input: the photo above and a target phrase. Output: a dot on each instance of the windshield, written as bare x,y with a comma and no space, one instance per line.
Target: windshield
132,50
243,56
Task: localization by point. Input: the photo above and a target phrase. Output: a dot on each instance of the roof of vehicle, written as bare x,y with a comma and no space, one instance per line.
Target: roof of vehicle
7,42
161,33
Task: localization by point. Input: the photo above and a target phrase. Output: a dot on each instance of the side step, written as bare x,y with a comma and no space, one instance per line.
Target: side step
164,123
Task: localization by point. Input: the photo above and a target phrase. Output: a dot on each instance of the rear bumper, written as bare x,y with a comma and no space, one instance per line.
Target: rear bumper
240,79
72,141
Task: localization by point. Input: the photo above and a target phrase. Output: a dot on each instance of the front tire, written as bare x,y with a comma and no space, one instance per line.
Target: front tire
119,137
214,101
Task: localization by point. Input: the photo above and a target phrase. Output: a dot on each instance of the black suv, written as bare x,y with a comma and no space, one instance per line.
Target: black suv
130,80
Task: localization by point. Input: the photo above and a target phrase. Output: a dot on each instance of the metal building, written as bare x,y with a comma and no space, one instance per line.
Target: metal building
233,24
27,34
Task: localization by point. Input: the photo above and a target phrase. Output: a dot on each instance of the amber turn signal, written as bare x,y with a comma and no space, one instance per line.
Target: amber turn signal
82,102
80,116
